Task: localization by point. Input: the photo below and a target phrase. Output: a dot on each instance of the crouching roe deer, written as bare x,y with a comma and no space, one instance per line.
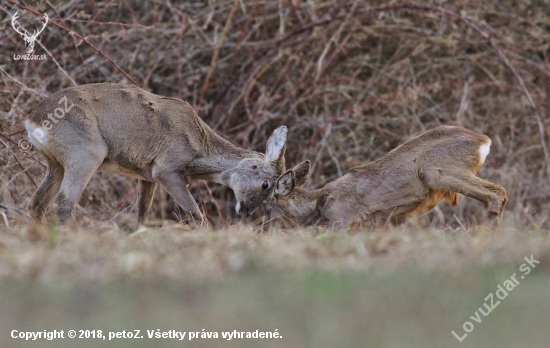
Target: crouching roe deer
126,130
413,178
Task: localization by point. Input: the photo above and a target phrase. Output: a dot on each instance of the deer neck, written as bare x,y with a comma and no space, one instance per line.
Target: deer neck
305,205
220,160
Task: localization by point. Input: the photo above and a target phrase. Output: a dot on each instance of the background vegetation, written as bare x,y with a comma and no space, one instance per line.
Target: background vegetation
351,80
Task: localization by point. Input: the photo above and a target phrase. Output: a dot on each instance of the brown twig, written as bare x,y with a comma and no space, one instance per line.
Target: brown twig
496,48
26,152
213,200
54,22
221,40
202,200
19,163
471,24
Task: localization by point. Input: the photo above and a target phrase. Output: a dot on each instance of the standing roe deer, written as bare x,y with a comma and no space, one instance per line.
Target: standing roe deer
126,130
414,177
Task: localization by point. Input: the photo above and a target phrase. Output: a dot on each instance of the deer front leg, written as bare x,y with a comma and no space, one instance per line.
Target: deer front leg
147,190
175,184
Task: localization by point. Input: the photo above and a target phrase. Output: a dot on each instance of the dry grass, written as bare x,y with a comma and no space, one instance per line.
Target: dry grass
405,287
172,252
351,81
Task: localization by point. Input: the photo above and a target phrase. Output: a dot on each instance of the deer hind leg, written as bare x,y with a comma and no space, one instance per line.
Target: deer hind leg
44,195
466,183
147,191
75,179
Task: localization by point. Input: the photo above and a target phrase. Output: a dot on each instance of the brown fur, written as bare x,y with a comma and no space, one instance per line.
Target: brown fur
413,178
126,130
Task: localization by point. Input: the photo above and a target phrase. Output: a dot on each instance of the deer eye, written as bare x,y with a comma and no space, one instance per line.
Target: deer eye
265,185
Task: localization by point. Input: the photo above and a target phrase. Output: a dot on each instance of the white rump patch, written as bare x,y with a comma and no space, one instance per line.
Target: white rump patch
37,136
484,151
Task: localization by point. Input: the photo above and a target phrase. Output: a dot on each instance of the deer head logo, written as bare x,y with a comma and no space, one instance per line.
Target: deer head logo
29,39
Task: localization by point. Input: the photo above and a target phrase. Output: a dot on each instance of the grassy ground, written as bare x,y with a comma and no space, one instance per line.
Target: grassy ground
352,80
406,287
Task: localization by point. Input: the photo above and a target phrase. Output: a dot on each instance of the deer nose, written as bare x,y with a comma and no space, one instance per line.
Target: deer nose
244,209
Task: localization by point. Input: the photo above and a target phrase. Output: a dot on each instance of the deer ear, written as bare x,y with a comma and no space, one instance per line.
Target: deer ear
285,184
275,148
300,172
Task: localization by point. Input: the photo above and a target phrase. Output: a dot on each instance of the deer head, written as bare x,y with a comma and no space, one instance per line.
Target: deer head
288,199
29,39
254,178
